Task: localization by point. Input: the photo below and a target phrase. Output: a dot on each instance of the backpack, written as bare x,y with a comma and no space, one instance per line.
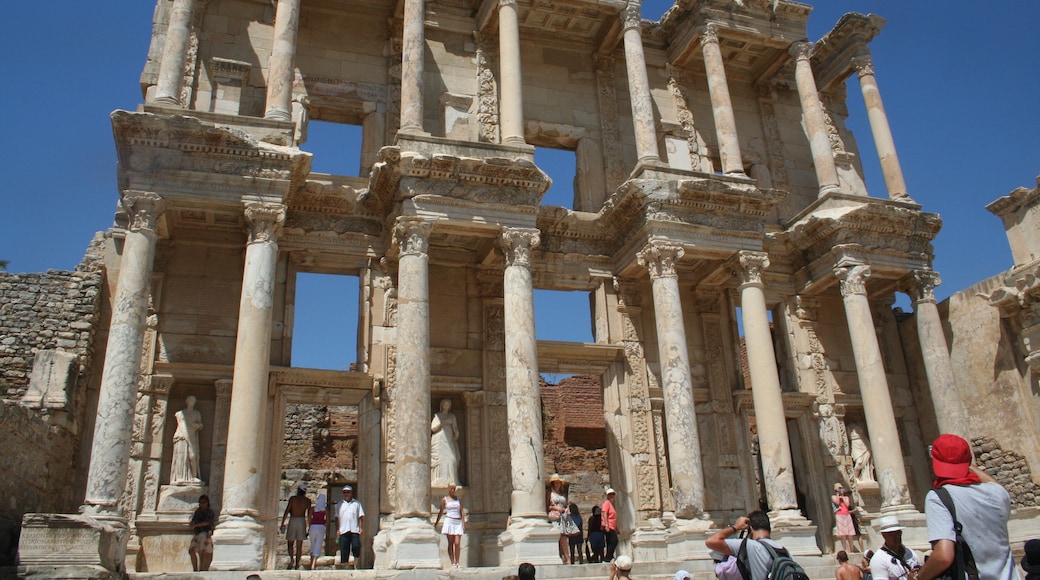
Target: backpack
783,566
963,565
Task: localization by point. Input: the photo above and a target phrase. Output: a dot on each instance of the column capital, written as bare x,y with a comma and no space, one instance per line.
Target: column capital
502,3
800,50
659,259
631,16
752,266
412,234
920,285
863,64
853,278
710,34
143,208
517,243
265,221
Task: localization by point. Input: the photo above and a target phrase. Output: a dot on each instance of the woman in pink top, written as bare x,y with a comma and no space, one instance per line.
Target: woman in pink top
609,524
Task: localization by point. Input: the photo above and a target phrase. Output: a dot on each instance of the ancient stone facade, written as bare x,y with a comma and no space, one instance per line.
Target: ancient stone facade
719,216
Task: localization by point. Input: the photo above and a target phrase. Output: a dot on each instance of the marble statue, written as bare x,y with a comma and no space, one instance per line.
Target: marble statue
185,468
444,447
862,459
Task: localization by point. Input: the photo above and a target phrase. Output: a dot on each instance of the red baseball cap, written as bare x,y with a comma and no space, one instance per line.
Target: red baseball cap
951,456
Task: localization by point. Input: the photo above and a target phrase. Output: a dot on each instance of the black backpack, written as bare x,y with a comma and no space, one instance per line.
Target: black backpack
963,565
783,566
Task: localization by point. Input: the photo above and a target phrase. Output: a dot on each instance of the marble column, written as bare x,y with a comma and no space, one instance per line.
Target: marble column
639,85
524,405
949,408
774,444
413,68
721,105
110,447
815,120
511,106
684,451
883,142
280,70
411,541
240,519
412,404
175,53
873,386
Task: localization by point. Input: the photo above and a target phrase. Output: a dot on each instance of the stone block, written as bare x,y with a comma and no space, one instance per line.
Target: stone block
70,546
53,380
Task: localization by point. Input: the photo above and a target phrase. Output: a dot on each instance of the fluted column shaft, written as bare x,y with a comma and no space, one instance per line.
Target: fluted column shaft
523,398
413,68
639,85
684,451
774,443
873,386
412,404
721,104
949,408
815,120
512,100
175,53
280,71
879,127
244,468
110,447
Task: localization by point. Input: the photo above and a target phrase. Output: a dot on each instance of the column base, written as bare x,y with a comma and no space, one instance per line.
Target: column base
409,543
530,540
685,537
275,114
72,546
238,544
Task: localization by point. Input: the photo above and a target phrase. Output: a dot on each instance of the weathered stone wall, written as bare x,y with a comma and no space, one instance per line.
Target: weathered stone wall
54,310
575,437
320,438
1008,468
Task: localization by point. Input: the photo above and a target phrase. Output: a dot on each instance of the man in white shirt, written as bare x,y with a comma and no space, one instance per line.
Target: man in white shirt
893,560
351,518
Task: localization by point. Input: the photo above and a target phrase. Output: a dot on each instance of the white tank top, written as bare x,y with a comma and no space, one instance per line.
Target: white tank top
452,508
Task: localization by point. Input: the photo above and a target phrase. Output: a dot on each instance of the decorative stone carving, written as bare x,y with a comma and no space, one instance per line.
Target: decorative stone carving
411,235
487,92
185,464
853,279
444,447
517,244
265,221
752,265
660,259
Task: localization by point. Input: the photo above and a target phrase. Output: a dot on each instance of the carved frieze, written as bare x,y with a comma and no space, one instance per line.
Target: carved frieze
487,93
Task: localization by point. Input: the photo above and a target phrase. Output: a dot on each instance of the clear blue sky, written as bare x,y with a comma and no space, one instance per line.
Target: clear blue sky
960,82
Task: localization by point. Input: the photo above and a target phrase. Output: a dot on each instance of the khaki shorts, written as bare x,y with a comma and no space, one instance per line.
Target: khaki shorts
297,530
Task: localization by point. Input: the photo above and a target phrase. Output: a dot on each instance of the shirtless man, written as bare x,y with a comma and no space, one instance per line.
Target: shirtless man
847,571
299,513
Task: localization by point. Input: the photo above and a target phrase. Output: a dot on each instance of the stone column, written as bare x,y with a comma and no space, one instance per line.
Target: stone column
412,407
721,105
240,524
774,444
873,386
110,447
815,120
684,451
280,70
412,541
524,405
413,56
639,85
949,409
883,142
175,53
511,107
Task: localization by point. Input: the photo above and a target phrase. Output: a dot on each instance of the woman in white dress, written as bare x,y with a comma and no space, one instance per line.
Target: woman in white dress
454,523
559,515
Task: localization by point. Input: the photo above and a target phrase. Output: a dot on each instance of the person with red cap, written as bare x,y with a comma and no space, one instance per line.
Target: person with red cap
982,507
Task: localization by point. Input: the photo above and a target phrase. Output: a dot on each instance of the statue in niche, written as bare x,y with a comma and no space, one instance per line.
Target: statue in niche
862,459
185,468
832,431
444,447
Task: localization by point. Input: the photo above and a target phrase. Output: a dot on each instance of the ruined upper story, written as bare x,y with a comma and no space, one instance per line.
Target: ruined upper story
575,79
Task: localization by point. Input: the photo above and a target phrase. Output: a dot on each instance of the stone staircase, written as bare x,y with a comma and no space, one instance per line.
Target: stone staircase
817,567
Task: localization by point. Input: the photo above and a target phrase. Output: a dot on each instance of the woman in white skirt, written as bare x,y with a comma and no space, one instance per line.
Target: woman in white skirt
319,519
560,516
454,524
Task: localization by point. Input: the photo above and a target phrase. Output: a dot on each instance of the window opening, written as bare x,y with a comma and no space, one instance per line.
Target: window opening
336,147
325,321
561,165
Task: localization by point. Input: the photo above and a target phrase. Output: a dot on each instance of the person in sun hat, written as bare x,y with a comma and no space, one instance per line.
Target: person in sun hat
608,523
893,560
983,507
